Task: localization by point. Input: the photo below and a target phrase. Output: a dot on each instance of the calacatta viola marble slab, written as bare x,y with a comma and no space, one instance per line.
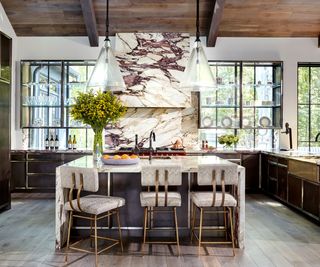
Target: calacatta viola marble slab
152,65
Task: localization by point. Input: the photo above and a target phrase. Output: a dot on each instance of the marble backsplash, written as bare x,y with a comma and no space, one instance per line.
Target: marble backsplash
169,124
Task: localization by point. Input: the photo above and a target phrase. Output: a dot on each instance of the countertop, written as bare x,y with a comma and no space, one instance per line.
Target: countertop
188,163
292,154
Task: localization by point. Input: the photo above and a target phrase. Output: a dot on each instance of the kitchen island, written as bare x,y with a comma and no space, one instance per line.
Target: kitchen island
124,181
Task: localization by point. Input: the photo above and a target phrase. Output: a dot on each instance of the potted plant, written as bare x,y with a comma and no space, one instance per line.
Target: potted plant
97,109
228,140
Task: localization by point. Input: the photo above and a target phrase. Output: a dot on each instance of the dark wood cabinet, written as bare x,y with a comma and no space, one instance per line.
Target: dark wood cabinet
311,199
251,163
264,171
5,103
294,182
282,181
36,171
294,191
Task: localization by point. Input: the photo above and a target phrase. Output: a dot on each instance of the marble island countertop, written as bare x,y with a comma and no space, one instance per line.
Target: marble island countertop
188,163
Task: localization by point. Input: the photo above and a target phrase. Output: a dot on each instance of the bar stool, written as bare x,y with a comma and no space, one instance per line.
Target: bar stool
160,175
211,202
91,207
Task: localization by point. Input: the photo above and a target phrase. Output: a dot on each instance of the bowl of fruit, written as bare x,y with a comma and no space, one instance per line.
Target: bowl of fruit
124,159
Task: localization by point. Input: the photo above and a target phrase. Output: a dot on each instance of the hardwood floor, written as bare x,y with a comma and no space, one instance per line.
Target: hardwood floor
275,236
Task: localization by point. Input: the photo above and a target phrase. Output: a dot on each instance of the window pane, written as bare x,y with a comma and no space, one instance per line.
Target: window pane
303,85
315,85
303,123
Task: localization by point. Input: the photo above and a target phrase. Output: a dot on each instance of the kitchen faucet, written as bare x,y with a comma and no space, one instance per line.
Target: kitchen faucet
151,136
317,137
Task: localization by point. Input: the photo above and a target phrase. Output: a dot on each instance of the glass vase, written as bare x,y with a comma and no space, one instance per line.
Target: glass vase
97,144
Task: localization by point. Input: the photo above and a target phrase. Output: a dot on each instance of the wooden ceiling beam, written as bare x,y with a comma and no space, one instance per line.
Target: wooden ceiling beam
90,21
215,23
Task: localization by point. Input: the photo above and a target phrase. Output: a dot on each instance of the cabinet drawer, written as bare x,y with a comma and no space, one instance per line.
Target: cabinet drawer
304,170
42,167
41,181
44,156
18,156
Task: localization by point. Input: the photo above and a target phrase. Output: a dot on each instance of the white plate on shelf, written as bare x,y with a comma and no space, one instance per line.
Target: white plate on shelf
264,121
226,121
246,122
207,121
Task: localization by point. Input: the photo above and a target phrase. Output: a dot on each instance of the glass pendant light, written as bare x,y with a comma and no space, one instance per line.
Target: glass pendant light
197,74
106,74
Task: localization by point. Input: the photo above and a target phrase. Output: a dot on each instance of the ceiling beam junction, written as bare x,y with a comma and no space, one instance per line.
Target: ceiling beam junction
90,21
215,23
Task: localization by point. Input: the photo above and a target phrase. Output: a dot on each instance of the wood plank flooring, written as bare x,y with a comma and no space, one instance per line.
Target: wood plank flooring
275,236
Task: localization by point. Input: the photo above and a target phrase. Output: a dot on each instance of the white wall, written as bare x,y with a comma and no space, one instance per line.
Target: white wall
6,28
289,50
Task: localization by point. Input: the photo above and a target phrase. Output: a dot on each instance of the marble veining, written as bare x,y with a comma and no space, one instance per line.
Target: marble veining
152,65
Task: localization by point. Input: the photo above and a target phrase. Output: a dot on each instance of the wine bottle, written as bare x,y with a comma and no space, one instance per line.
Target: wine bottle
70,142
46,142
56,142
74,142
51,142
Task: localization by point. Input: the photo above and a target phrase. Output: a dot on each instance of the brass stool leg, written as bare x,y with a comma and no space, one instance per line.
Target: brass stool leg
177,231
95,239
68,238
91,233
119,227
200,230
225,222
145,224
193,220
231,226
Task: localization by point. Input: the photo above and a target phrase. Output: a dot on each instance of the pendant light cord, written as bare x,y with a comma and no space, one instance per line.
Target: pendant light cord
197,23
107,21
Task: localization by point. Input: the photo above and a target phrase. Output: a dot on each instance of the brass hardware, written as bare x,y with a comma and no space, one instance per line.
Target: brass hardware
223,188
166,188
157,186
213,187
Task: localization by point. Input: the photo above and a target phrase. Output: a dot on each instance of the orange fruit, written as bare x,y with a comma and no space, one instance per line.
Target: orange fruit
133,156
106,156
125,156
116,157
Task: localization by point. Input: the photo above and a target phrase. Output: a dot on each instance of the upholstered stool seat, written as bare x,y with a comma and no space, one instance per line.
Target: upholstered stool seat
205,199
148,199
96,204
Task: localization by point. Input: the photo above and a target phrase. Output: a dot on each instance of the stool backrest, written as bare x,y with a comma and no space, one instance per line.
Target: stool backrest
162,174
86,179
227,174
218,175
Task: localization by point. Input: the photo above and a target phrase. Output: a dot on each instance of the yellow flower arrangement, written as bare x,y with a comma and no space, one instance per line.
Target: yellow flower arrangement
97,109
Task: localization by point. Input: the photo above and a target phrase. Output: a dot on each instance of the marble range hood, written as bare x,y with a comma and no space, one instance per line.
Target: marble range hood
152,65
